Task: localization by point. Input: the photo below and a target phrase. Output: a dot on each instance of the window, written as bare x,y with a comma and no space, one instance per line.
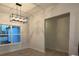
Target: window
15,33
9,34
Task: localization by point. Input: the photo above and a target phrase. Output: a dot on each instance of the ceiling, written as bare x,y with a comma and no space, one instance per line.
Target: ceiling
26,7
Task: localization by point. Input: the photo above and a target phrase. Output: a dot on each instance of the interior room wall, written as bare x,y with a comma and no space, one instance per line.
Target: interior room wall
36,26
36,32
5,19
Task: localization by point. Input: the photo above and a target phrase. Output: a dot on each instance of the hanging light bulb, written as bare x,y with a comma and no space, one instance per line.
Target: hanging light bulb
17,18
25,20
21,19
12,17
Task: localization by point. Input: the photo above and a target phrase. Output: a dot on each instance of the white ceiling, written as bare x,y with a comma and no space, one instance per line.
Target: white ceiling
26,7
46,4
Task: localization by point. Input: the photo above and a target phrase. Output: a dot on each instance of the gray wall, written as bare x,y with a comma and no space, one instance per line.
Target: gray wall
57,33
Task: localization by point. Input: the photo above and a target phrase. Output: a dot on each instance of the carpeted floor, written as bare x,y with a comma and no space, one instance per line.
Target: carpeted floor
31,52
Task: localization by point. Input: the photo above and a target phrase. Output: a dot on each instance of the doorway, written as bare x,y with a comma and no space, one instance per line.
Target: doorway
57,33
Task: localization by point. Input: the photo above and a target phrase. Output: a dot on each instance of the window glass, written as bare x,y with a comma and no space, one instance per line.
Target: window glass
9,34
15,38
15,30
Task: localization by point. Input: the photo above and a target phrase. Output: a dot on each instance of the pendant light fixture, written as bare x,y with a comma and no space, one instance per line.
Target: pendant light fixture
18,17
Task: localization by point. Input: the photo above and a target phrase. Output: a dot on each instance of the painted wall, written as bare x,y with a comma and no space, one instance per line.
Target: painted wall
4,19
36,32
36,26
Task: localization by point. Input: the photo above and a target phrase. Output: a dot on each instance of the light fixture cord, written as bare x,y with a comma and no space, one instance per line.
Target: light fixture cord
16,10
20,11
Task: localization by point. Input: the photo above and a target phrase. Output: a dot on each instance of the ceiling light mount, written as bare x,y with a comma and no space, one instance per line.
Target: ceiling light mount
18,4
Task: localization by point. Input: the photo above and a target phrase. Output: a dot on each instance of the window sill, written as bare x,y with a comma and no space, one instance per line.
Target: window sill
10,44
